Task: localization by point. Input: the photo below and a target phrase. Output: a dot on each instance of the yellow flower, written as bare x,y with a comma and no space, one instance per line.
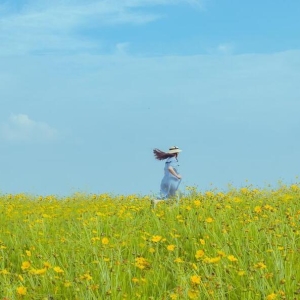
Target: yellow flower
151,250
260,265
232,258
58,270
202,242
221,253
4,272
22,291
173,296
135,280
141,263
171,247
105,241
28,253
156,238
258,209
212,260
67,284
25,265
199,254
86,276
192,294
195,279
39,272
209,220
241,273
271,296
197,203
47,265
178,260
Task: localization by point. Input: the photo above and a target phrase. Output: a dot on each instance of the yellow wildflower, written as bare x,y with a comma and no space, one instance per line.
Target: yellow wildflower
202,242
209,220
86,276
221,253
212,260
232,258
199,254
39,271
195,279
67,284
197,203
105,241
47,265
22,291
28,253
25,265
192,294
258,209
171,247
271,296
260,265
141,263
58,270
156,238
178,260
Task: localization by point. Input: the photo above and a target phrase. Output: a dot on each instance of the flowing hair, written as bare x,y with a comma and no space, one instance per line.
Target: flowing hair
161,155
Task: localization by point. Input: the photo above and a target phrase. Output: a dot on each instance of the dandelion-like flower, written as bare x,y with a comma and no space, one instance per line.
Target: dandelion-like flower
195,279
199,254
156,238
171,247
22,291
271,296
58,270
232,258
105,241
25,265
260,265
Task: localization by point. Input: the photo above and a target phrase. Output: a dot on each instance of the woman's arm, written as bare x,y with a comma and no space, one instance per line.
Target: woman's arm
172,171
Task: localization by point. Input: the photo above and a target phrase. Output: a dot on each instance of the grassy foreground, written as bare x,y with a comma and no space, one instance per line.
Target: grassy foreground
240,245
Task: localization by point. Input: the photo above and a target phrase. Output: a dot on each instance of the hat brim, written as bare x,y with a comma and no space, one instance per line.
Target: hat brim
174,151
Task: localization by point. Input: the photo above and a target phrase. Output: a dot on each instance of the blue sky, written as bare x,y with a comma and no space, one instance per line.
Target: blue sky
89,88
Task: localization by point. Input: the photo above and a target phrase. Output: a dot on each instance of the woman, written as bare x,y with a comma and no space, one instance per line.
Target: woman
172,178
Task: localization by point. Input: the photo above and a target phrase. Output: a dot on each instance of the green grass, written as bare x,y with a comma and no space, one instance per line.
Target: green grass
116,247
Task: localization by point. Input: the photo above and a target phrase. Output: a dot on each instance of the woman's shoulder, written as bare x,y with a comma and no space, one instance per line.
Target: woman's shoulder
171,159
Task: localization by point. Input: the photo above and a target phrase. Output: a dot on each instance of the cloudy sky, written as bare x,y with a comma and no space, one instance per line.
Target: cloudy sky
89,87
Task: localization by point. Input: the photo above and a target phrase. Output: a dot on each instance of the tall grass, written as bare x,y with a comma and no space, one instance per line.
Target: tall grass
243,244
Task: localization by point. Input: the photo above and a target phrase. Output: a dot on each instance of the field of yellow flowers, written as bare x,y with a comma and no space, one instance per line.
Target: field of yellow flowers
242,244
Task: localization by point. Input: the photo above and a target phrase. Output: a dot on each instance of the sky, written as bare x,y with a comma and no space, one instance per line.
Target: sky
88,88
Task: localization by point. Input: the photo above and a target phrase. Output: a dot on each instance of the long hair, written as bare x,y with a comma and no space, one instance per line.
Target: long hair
161,155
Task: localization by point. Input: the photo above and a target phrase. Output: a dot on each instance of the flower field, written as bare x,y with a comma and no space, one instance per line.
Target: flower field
242,244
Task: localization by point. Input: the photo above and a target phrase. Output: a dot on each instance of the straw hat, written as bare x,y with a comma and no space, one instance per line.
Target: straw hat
174,149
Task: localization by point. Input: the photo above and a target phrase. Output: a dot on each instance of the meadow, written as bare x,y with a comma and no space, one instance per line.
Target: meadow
239,244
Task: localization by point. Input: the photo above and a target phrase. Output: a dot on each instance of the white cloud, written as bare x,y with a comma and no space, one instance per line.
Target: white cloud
21,128
53,25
